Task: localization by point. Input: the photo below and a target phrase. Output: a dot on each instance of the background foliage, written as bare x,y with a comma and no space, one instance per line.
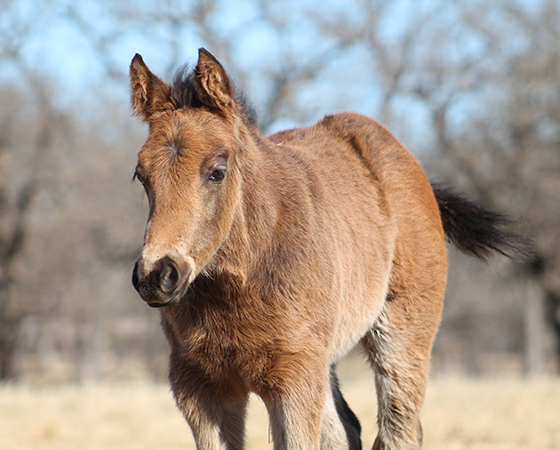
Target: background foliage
471,87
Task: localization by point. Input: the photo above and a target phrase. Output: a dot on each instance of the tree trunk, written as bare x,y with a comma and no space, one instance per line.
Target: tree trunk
9,330
535,330
553,315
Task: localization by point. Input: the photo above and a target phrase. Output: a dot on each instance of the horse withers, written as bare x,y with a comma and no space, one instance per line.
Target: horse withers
271,257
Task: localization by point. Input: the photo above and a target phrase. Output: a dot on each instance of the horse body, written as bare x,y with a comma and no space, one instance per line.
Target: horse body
272,257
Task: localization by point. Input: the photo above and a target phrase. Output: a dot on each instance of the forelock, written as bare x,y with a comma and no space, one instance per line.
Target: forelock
185,95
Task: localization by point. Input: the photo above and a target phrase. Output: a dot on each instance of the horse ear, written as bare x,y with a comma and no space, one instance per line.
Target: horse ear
212,83
149,93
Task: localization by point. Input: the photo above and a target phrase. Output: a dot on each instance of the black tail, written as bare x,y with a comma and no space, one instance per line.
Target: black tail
478,231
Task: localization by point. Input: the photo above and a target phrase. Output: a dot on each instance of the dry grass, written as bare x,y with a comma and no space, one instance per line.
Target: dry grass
458,414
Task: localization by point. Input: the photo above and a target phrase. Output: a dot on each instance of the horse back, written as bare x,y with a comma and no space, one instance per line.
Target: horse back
368,169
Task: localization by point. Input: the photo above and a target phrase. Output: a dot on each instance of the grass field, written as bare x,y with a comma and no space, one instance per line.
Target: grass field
499,414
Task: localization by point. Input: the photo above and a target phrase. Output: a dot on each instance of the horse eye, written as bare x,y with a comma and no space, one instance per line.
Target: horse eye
217,175
139,177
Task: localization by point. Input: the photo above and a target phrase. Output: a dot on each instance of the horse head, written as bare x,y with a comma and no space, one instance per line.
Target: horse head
189,168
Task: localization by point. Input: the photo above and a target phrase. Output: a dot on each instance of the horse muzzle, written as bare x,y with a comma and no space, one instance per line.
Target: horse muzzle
161,283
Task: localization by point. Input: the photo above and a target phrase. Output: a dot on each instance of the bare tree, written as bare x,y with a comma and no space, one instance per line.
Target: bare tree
483,79
470,86
26,140
507,151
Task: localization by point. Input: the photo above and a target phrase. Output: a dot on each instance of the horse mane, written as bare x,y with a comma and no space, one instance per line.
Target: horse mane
185,95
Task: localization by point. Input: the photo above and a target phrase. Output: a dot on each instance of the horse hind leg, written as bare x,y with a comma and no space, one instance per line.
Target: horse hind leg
340,428
398,347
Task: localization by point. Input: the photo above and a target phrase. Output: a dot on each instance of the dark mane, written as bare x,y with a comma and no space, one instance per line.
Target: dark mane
185,95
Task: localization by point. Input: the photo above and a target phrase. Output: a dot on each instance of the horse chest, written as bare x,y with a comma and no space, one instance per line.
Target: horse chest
216,338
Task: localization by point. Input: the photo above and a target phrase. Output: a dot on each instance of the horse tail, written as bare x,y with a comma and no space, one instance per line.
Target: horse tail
478,231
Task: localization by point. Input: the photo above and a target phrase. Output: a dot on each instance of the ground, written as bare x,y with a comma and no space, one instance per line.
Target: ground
504,413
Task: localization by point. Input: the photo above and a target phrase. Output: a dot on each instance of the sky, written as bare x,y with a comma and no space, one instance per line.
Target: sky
57,47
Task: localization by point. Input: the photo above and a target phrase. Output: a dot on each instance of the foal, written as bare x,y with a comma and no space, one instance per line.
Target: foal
271,257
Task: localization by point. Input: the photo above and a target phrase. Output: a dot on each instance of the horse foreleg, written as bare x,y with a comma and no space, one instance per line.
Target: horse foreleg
216,415
296,401
215,426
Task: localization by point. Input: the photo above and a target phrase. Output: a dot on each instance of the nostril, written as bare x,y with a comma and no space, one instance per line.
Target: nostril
169,276
161,282
135,280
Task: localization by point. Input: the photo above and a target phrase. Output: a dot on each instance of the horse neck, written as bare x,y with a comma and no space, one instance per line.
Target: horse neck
257,213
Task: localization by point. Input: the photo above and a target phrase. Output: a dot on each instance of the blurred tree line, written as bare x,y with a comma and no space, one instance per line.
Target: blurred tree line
471,87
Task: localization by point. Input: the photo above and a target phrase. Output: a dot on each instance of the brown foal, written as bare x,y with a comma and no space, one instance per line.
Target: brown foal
271,257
